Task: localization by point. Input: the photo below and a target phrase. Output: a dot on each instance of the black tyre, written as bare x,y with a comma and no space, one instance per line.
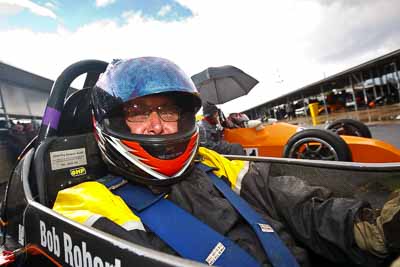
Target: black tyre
350,127
317,144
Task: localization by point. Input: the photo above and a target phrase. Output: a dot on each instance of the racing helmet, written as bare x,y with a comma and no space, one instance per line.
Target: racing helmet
239,119
148,159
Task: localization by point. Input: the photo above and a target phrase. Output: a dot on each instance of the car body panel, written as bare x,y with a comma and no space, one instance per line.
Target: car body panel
371,150
269,140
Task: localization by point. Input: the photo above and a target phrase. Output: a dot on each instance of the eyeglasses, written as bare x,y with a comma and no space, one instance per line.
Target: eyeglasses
138,113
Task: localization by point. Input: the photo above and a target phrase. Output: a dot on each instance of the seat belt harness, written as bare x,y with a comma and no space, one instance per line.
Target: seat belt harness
187,235
277,252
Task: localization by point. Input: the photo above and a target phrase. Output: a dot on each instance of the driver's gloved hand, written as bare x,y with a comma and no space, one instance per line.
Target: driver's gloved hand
380,235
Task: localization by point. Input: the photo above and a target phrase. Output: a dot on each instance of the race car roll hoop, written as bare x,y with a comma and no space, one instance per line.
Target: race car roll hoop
55,103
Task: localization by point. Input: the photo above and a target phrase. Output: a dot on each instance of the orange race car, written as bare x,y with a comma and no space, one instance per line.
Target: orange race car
343,140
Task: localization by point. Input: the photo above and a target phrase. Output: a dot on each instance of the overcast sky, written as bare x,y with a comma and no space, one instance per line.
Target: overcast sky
285,44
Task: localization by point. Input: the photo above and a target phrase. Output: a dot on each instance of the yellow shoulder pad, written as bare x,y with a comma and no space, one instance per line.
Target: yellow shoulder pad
234,170
84,200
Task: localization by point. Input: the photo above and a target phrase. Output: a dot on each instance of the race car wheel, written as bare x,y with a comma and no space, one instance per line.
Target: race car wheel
350,127
318,145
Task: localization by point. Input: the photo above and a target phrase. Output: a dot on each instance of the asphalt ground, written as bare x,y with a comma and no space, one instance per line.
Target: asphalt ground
383,121
389,133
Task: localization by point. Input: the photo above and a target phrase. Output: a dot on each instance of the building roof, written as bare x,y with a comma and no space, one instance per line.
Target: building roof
23,78
370,69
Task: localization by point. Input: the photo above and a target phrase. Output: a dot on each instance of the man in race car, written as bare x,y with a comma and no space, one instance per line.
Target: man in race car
211,132
166,193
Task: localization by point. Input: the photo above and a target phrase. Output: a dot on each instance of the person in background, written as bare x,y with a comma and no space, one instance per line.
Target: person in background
237,121
16,139
241,120
290,111
30,132
211,132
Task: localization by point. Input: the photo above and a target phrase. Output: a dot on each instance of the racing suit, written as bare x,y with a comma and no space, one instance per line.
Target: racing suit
211,137
304,216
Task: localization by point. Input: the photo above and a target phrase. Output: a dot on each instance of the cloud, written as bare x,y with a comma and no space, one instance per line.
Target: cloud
103,3
164,10
191,4
7,9
353,29
303,39
13,6
50,5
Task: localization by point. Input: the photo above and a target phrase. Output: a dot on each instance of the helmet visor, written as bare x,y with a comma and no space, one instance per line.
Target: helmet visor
160,123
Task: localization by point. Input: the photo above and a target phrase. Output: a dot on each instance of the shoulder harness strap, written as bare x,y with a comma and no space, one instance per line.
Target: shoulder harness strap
184,233
276,250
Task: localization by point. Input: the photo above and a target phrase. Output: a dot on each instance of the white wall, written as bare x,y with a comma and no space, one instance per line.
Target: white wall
23,101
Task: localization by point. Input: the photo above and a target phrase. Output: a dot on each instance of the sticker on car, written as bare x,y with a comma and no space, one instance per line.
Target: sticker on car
251,151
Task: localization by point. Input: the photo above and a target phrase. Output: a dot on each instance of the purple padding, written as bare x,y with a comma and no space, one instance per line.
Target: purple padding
51,117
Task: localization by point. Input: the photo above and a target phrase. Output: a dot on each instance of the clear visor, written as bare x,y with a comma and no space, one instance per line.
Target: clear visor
161,123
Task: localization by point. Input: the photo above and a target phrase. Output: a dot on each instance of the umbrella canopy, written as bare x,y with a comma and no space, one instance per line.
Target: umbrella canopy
222,84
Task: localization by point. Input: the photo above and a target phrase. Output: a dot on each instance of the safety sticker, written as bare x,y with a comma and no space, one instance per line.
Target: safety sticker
67,158
215,253
266,228
251,151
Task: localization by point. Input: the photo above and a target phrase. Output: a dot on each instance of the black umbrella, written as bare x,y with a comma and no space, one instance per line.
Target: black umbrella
222,84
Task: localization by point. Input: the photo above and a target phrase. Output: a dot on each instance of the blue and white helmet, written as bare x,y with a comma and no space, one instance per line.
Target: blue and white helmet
149,159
